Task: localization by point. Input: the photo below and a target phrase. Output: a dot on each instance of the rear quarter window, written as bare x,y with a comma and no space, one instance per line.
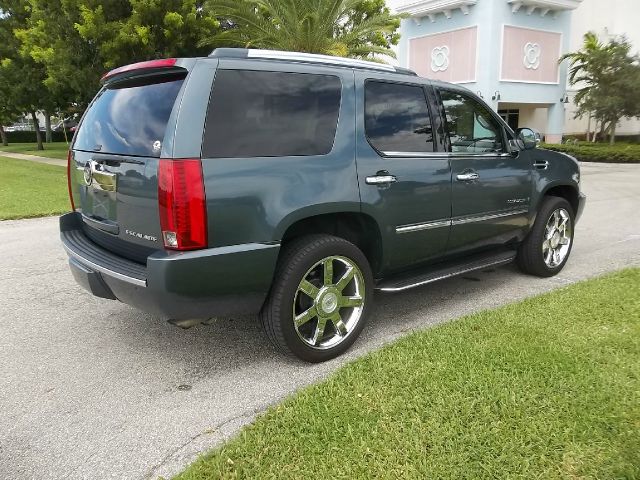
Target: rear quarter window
130,117
271,114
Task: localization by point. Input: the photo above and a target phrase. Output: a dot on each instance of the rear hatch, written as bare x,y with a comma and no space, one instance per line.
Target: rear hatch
115,156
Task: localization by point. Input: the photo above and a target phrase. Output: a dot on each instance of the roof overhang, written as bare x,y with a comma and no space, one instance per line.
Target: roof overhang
544,6
430,8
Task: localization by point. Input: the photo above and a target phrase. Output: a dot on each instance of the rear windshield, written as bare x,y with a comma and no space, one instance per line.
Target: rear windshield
130,118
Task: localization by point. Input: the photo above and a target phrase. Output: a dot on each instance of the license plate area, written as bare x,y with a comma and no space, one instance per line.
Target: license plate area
98,190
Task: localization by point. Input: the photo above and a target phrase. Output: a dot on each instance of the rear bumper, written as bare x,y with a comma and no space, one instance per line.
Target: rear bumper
176,285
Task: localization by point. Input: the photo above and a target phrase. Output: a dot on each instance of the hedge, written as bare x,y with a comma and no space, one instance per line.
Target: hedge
25,136
599,152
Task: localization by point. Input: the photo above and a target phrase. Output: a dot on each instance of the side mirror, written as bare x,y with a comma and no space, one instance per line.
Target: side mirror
527,138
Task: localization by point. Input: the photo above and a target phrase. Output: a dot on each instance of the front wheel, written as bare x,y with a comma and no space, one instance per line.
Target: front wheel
547,247
320,298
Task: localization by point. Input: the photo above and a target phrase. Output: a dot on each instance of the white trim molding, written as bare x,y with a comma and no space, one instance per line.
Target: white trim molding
544,6
430,8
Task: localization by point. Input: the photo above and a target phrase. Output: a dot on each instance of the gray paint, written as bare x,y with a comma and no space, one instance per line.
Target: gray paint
253,202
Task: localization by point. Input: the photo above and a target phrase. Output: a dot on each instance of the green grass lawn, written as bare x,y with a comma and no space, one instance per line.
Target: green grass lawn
32,189
545,388
51,150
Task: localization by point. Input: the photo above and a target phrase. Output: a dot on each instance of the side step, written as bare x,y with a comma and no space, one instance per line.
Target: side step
398,283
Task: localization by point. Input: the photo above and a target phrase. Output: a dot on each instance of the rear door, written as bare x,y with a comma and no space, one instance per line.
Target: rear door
404,184
115,157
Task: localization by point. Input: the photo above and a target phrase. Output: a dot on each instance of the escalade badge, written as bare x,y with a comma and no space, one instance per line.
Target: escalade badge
88,174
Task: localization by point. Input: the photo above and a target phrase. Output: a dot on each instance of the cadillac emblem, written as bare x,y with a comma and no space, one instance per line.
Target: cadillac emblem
88,174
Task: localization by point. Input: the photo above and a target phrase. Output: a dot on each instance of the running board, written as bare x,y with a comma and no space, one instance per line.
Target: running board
399,283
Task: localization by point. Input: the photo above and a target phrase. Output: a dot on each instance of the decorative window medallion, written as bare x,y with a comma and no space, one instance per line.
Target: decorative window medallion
440,58
531,56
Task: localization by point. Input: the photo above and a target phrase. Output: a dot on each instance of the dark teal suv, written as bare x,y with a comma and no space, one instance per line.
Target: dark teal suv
292,186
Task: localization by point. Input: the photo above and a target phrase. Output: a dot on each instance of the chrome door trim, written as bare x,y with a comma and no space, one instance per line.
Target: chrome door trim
101,269
490,216
416,227
395,154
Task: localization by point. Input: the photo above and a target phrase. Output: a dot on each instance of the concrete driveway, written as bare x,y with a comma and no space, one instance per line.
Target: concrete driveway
92,388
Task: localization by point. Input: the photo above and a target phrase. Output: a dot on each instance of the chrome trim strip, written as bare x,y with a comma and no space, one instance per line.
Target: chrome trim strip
395,154
492,216
447,275
106,271
416,227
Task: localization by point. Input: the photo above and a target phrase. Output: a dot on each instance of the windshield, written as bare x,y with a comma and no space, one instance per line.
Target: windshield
130,117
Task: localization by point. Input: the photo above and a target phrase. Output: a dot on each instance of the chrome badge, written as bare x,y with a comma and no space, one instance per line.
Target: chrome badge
88,174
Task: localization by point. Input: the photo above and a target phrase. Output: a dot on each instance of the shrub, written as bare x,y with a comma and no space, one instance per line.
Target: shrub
599,152
24,136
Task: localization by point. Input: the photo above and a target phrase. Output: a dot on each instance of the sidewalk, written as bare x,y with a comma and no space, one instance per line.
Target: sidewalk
35,158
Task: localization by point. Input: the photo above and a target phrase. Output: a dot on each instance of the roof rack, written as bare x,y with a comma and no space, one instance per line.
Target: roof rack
306,58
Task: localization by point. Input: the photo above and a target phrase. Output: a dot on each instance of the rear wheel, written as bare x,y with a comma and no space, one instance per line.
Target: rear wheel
320,298
547,247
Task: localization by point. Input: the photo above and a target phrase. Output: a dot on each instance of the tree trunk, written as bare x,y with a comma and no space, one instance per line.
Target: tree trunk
589,129
3,134
47,126
612,133
603,128
36,125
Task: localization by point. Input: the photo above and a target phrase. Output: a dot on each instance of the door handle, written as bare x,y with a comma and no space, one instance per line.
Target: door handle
381,179
465,177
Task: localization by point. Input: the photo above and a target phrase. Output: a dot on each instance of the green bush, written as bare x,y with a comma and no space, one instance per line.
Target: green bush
599,152
30,136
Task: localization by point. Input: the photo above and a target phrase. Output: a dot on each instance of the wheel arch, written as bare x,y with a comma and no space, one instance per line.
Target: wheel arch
568,192
356,227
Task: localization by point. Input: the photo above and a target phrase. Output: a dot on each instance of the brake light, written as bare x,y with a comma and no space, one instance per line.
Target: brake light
183,214
69,186
162,63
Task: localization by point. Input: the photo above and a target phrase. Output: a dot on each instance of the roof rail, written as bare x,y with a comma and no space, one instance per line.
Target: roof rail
306,58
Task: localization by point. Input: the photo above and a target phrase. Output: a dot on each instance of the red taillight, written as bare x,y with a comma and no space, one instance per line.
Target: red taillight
69,186
162,63
183,214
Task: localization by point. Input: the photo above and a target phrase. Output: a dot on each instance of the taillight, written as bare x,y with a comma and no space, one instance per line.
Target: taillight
69,186
183,214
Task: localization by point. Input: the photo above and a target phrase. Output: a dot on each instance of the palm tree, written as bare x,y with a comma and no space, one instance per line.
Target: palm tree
607,74
588,64
348,28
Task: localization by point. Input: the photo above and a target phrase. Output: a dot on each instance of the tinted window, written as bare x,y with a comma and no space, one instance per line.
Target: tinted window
271,114
397,118
129,118
470,125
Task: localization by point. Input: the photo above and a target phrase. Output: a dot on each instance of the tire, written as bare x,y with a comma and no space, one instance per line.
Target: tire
343,318
543,253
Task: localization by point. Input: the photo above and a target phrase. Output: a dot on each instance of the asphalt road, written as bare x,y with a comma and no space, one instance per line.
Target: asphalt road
92,388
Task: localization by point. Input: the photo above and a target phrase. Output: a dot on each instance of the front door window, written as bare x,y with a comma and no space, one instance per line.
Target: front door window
471,128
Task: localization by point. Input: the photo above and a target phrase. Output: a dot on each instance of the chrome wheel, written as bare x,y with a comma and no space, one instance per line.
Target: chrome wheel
557,238
329,302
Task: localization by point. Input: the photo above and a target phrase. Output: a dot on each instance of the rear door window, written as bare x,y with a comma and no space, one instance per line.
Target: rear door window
271,114
130,117
397,117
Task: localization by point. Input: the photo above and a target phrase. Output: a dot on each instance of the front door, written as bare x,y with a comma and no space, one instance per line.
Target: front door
491,188
404,185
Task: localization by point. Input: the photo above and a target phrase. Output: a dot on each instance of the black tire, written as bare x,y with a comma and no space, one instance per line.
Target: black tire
530,256
277,315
